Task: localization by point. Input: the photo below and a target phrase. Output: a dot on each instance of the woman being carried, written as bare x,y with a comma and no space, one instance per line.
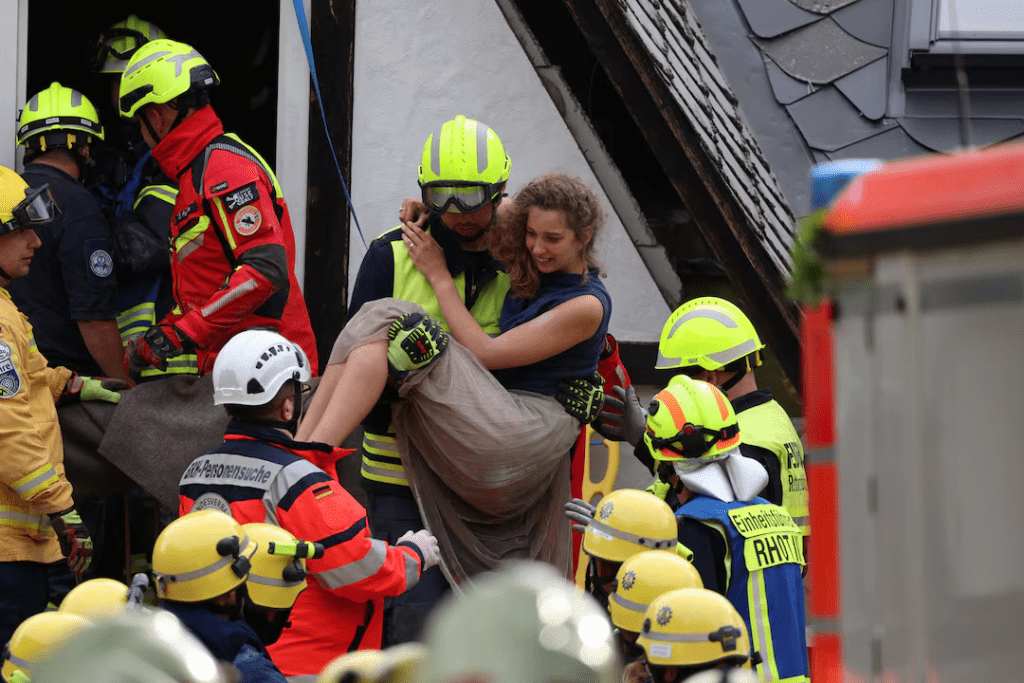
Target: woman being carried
487,455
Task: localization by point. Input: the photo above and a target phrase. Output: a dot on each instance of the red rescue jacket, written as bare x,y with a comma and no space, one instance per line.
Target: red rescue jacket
232,246
260,475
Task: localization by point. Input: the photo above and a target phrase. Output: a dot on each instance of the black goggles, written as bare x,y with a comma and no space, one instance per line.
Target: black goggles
460,197
37,209
101,50
693,441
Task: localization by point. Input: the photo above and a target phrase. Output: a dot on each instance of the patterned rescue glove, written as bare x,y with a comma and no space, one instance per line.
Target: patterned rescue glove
75,542
414,341
81,388
152,349
659,488
426,544
580,512
582,397
626,419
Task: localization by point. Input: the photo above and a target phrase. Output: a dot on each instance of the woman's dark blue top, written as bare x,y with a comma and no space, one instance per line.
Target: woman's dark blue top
577,361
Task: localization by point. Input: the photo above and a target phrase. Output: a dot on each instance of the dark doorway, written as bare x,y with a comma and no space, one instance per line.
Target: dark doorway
240,40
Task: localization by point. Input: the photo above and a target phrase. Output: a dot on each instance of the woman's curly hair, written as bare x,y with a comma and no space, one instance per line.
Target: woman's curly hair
553,192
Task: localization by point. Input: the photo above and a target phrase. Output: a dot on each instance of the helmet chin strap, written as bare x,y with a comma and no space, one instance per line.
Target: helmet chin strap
732,381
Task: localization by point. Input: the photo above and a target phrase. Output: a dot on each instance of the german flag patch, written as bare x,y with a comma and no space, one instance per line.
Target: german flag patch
321,492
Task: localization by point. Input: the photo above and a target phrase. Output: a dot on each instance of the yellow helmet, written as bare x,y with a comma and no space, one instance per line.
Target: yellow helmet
522,624
278,571
403,662
690,419
58,117
34,638
463,166
96,599
161,70
201,556
146,646
693,627
629,521
644,577
110,52
22,207
360,666
709,333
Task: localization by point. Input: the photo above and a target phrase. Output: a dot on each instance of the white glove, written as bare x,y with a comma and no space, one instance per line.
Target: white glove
427,546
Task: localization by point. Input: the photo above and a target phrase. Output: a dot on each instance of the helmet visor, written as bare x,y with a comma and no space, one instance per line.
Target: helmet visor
37,209
458,197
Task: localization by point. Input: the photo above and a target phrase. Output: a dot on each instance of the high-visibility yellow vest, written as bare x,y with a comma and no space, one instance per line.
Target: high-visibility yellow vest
768,426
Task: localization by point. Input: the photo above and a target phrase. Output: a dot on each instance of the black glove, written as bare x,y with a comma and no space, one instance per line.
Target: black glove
75,542
580,512
414,341
582,397
630,420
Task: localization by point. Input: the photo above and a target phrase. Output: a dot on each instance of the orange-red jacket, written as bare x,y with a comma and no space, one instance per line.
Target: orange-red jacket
260,475
232,247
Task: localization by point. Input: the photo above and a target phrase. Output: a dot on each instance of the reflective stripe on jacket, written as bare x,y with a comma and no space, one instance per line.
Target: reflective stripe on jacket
260,475
765,561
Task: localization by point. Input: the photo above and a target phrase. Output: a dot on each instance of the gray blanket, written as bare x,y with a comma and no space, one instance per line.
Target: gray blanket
148,439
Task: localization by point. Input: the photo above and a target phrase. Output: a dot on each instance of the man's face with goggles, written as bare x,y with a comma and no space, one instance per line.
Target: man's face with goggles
467,209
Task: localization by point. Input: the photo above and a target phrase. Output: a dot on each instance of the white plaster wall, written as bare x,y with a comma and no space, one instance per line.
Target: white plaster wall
420,64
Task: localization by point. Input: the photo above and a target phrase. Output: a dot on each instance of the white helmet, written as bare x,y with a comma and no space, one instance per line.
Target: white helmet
254,365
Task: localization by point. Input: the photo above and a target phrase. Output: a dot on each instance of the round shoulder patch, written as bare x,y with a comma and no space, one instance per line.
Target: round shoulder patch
100,263
212,501
10,380
248,220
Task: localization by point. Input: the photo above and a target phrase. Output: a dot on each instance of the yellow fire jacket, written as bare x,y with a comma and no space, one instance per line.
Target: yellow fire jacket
32,482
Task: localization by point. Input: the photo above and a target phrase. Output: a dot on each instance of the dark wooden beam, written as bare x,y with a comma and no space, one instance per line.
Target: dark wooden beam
695,177
332,30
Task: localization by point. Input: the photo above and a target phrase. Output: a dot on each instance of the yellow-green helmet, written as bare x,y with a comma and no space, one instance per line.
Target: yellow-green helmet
58,117
644,577
110,52
689,420
708,333
146,646
201,556
463,166
396,664
275,578
161,70
522,624
34,638
627,522
693,627
96,599
22,207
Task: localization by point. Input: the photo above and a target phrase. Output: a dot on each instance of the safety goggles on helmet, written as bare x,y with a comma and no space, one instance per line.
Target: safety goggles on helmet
105,48
457,196
37,209
692,440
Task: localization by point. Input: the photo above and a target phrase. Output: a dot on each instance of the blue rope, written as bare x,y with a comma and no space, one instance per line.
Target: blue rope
300,16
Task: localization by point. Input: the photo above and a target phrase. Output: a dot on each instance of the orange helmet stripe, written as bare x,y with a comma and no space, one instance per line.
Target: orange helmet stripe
675,410
723,407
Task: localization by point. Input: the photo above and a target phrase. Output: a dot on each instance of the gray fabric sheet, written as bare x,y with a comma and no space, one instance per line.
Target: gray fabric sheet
159,428
489,468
